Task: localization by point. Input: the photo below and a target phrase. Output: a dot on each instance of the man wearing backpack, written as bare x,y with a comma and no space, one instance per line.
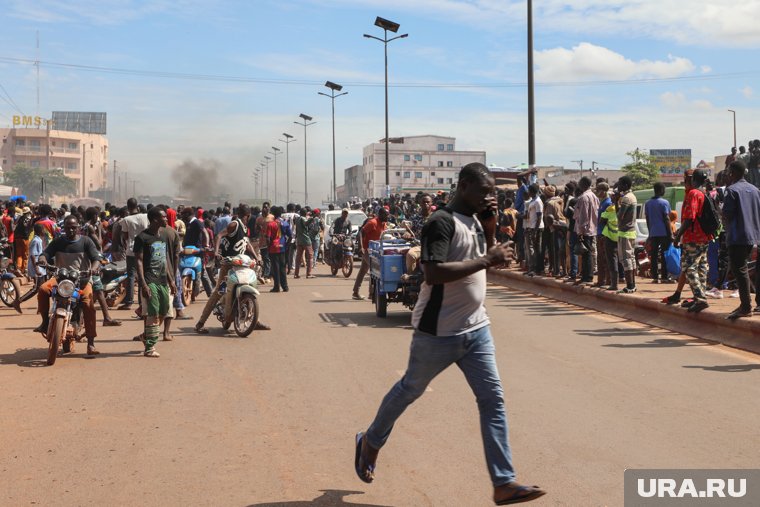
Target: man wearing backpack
697,230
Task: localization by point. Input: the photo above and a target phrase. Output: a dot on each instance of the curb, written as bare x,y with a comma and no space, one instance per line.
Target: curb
742,334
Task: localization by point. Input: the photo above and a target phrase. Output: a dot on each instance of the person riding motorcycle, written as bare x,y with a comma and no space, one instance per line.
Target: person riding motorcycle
71,251
233,241
341,225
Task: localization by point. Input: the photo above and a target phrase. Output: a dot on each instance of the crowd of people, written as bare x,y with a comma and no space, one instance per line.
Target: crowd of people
588,228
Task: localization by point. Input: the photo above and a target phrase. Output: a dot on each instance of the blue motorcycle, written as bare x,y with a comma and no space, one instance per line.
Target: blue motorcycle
190,266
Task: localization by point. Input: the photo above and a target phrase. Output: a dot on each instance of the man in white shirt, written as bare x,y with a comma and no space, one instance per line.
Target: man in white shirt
534,228
132,225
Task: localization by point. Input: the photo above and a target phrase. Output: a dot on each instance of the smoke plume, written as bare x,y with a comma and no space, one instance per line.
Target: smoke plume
199,181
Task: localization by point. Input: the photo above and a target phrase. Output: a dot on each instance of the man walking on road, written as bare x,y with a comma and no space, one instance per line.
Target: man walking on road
741,213
371,231
451,326
151,249
279,235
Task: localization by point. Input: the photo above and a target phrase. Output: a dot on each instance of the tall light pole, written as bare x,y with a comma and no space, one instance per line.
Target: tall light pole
531,98
266,161
288,139
274,154
306,119
734,113
261,180
333,88
393,27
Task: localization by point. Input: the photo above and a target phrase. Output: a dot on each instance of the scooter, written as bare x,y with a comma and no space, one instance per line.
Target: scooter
190,266
114,278
239,304
65,321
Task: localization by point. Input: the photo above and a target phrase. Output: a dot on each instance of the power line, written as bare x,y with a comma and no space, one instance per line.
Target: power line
10,100
244,79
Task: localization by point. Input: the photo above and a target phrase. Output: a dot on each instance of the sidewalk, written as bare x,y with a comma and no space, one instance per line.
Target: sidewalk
645,306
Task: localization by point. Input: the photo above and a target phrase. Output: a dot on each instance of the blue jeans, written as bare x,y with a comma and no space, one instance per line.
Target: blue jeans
178,304
315,248
573,258
474,354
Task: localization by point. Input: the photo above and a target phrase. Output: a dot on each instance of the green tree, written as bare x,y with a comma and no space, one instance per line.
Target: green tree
27,181
641,169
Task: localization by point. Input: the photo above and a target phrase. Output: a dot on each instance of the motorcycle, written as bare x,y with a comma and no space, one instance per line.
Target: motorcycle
65,323
239,304
114,278
190,266
10,288
341,255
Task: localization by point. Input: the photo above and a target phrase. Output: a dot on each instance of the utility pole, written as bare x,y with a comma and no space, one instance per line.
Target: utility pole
288,139
531,97
113,197
83,170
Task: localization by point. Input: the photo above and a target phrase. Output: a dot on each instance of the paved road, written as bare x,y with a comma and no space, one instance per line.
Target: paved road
269,420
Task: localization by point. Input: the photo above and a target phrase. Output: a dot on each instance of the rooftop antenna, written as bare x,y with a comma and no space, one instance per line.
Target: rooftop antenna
37,64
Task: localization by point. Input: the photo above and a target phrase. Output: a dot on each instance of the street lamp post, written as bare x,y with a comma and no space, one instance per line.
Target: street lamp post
734,113
266,161
393,27
531,99
306,119
288,139
275,153
333,88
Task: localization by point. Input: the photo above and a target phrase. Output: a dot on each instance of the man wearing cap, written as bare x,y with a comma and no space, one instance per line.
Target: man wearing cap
695,240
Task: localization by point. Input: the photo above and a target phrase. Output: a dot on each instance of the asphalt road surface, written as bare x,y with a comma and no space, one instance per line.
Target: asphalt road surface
270,419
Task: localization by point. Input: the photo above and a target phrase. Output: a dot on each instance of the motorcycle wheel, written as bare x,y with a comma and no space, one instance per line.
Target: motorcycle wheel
348,265
9,291
245,314
187,289
54,341
116,297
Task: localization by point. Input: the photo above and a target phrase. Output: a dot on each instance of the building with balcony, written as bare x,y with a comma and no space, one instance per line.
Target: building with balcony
80,156
428,163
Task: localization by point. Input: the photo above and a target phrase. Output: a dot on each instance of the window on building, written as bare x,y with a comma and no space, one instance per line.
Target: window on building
398,173
449,147
449,163
34,144
5,161
407,174
407,158
73,146
440,163
418,174
92,146
449,180
20,142
440,147
35,164
71,166
440,181
432,173
418,158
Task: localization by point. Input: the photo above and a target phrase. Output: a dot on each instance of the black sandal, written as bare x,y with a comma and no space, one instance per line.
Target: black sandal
365,473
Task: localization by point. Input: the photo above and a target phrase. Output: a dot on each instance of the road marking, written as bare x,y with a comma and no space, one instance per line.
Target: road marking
317,295
347,323
400,373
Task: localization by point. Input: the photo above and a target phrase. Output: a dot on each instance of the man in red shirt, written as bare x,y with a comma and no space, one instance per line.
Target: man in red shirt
695,241
371,231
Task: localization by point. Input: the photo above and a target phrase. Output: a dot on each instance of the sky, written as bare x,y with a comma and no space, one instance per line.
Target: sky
199,80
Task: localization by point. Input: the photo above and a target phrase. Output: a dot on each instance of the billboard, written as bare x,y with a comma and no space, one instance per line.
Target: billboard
672,164
76,121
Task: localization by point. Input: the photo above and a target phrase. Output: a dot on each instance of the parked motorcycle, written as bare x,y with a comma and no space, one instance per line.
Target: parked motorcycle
114,278
10,288
65,324
239,304
341,255
190,266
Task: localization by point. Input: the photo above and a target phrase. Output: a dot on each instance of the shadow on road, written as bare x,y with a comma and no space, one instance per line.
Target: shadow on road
394,320
661,343
26,358
615,331
730,368
329,498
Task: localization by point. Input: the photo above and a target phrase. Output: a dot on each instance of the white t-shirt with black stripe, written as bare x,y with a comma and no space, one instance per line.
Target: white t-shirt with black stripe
457,307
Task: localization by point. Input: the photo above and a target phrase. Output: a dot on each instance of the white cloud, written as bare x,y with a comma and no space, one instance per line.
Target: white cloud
587,61
673,100
747,91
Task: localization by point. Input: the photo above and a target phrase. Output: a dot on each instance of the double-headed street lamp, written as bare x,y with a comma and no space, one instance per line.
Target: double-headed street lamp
333,88
275,153
288,139
393,27
734,113
306,122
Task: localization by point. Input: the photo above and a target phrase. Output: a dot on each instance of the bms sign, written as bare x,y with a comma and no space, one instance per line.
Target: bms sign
29,121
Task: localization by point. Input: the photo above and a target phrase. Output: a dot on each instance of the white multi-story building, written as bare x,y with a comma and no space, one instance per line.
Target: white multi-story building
428,163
